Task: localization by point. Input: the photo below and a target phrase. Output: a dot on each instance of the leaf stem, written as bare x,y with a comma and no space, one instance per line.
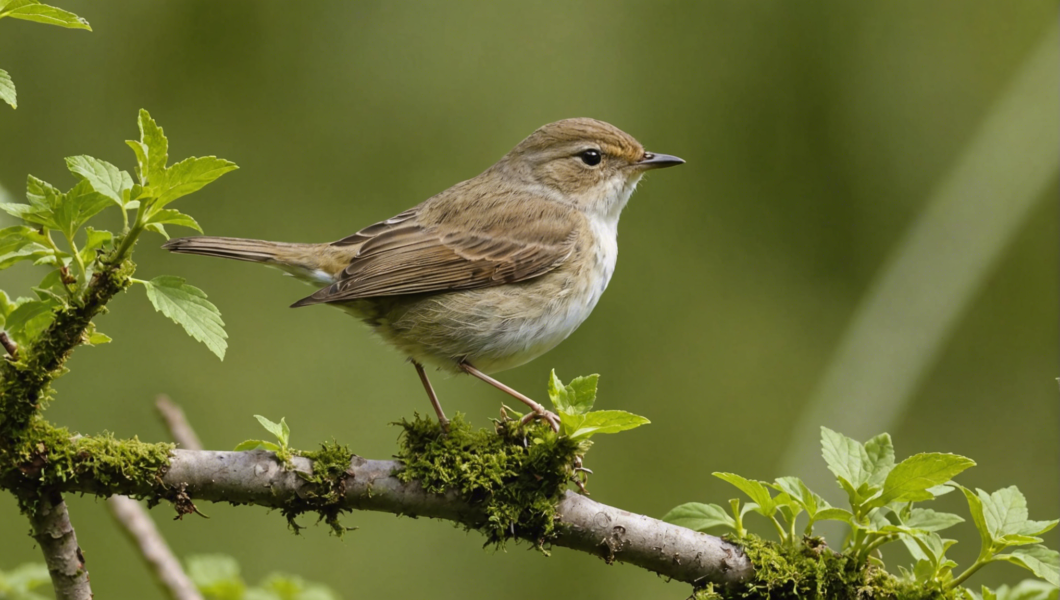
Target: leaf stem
971,570
780,529
77,255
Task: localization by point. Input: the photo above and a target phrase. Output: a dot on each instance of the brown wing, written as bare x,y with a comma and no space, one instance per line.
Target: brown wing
408,254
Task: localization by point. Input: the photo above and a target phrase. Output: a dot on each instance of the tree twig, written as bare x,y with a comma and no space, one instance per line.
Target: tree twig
141,529
257,477
57,540
179,428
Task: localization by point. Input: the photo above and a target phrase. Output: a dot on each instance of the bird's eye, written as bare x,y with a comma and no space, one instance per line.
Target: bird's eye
590,157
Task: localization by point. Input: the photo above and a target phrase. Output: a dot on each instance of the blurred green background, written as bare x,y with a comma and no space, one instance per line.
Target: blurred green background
816,134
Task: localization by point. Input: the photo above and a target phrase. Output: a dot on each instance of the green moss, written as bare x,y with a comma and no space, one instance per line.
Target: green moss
516,473
47,455
330,465
812,570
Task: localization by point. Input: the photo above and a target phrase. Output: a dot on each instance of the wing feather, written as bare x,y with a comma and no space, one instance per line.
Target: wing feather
409,254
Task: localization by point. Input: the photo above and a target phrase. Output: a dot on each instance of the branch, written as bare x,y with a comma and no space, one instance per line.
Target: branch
141,529
179,428
55,535
257,477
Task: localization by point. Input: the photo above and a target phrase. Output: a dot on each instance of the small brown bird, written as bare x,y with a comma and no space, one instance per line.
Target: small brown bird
489,274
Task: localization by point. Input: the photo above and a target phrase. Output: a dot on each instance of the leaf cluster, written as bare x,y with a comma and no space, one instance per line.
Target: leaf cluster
83,251
881,508
33,10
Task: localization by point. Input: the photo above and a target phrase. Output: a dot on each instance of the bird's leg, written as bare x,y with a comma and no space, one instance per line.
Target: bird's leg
430,394
538,410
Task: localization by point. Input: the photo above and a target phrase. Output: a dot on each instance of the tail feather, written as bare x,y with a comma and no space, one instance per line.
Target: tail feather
235,248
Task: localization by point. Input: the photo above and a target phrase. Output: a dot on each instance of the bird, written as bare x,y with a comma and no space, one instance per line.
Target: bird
488,274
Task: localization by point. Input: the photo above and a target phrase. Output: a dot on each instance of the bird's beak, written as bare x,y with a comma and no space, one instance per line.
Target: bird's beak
652,160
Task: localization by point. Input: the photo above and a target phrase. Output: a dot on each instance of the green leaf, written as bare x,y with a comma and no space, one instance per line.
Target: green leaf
845,457
98,338
169,216
152,151
576,398
40,193
157,228
700,517
756,490
1005,511
1028,589
1041,561
975,506
104,177
285,436
94,241
606,421
256,445
77,206
216,575
929,520
190,175
20,243
187,306
49,15
7,89
910,479
880,452
275,429
29,319
1037,527
834,514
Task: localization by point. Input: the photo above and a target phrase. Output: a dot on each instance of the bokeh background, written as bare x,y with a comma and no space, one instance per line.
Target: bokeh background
818,136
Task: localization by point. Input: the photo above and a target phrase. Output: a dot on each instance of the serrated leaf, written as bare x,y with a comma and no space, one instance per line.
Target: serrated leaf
797,490
7,89
834,514
606,421
97,338
557,393
29,319
40,193
49,15
20,243
910,479
755,490
168,216
190,175
975,506
582,393
274,428
104,177
76,207
157,228
845,457
1028,589
1005,511
1041,561
156,146
187,306
256,445
1015,539
1037,527
700,517
880,452
929,520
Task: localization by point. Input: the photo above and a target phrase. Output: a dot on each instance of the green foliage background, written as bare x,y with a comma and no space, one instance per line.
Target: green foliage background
815,134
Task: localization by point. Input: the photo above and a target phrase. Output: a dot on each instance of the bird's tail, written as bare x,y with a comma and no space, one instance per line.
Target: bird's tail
305,261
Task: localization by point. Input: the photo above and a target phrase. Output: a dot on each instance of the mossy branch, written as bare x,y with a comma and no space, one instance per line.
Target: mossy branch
156,472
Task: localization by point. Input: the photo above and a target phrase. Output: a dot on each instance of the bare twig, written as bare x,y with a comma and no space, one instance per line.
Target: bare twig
257,477
141,529
179,428
56,538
